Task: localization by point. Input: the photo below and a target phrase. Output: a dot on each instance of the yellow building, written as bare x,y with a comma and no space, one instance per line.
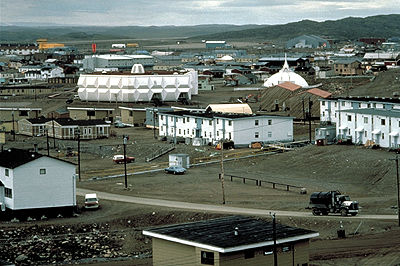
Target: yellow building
43,44
233,240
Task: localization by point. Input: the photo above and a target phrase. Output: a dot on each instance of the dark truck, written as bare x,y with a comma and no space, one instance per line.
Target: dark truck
332,202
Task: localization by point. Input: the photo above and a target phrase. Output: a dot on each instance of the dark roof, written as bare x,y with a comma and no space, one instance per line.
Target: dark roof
366,99
218,114
40,120
72,122
219,233
13,158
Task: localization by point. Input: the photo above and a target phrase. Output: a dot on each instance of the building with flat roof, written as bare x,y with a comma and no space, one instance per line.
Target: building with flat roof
122,62
233,240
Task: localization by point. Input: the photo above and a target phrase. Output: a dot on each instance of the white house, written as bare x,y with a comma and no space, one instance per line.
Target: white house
242,129
30,181
363,119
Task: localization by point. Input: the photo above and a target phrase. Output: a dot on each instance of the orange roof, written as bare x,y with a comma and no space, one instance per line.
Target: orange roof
320,93
289,86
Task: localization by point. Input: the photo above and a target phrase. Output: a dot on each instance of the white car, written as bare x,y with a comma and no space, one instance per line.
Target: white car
91,201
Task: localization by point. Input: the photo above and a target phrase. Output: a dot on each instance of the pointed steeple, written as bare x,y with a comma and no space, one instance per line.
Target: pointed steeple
285,65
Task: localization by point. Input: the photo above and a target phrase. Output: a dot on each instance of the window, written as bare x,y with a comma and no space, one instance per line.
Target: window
217,121
217,133
183,120
172,119
335,104
179,130
383,136
269,134
269,122
8,192
349,131
365,120
256,122
162,117
7,172
130,113
90,113
230,135
23,113
365,133
230,123
349,118
207,258
323,113
369,105
248,254
256,135
323,103
187,119
205,134
383,122
286,248
42,171
210,134
210,123
343,103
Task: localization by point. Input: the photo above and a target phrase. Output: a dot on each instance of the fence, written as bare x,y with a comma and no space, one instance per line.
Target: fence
259,182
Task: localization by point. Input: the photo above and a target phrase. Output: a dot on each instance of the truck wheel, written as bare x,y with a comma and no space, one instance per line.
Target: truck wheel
324,213
343,212
315,212
354,214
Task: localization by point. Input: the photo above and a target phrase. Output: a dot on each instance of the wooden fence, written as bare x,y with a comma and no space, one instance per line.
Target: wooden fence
259,182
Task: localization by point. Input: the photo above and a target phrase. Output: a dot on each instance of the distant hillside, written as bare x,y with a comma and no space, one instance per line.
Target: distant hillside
15,33
345,29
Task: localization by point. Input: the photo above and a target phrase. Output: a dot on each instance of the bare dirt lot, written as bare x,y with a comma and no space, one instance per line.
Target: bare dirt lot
112,234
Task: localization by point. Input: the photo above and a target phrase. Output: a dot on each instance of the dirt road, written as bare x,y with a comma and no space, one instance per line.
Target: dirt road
214,208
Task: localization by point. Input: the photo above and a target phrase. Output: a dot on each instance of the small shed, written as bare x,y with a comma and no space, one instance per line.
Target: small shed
325,135
179,159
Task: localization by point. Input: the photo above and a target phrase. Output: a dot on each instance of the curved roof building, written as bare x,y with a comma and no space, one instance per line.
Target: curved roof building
285,74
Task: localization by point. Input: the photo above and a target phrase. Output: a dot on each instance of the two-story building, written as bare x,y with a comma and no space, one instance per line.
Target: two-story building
242,129
32,183
363,120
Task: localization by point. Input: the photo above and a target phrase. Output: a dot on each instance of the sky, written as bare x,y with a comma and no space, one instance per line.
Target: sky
186,12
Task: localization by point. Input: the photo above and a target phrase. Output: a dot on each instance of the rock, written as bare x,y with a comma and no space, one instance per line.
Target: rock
21,258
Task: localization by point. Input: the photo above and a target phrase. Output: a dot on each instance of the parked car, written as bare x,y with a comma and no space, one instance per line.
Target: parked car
175,170
120,159
91,201
120,124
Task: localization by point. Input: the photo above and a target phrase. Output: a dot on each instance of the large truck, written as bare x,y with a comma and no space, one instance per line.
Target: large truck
323,203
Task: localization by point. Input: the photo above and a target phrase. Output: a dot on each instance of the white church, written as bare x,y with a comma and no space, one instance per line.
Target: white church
285,74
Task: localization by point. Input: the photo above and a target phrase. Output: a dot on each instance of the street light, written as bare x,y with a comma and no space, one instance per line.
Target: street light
126,177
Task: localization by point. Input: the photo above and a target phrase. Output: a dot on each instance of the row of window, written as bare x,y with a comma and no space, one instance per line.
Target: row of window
42,171
366,133
207,257
383,121
343,103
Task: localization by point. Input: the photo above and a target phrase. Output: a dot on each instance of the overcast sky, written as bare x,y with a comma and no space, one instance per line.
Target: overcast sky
186,12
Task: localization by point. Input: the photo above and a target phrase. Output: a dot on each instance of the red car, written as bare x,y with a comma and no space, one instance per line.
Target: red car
120,159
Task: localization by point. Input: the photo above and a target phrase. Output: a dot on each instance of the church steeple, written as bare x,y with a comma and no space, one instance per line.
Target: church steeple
285,65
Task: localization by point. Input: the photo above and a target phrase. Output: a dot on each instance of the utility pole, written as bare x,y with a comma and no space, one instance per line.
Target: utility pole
126,177
47,142
54,135
13,125
304,112
398,186
154,124
79,155
310,103
222,171
274,236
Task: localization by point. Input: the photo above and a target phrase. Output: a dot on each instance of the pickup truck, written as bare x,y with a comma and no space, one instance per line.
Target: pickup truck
120,159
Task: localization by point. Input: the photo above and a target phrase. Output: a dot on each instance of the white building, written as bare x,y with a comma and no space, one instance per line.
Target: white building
242,129
285,74
364,120
116,61
31,181
41,72
137,87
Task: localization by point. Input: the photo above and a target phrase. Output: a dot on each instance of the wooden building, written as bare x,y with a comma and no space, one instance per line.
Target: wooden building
32,126
233,240
88,113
